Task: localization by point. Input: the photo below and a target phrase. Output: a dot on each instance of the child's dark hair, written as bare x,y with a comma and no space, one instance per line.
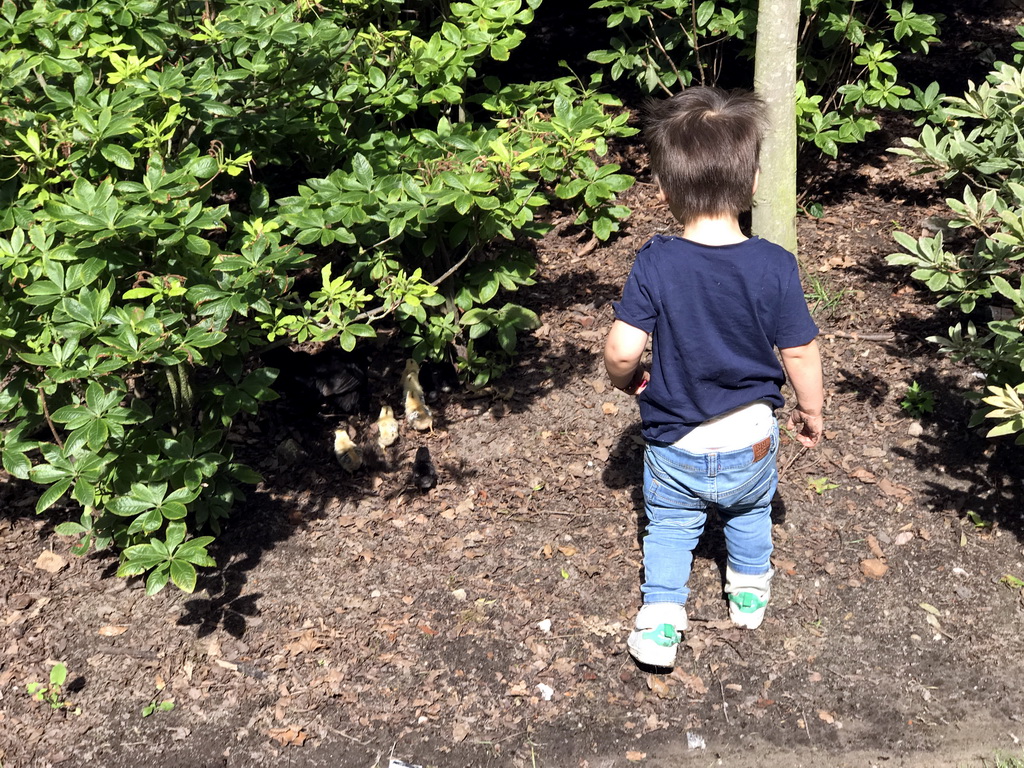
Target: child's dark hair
704,145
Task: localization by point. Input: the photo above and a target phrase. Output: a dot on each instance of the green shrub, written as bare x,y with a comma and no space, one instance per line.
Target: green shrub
981,152
845,61
145,256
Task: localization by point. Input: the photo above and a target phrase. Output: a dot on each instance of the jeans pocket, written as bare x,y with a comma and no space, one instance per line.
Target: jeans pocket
750,486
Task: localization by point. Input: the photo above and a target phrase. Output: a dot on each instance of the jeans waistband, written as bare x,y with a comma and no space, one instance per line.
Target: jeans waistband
716,461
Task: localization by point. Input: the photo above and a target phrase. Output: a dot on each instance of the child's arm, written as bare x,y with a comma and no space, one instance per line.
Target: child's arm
803,367
622,352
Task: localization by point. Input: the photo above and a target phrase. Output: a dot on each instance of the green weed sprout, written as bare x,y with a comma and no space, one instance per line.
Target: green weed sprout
52,693
820,485
155,706
918,401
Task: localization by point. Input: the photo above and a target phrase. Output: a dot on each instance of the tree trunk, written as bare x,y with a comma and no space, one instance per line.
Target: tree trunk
774,214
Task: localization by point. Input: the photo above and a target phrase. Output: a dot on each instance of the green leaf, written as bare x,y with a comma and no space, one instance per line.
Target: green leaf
17,464
52,494
58,674
157,580
126,506
70,529
183,574
118,155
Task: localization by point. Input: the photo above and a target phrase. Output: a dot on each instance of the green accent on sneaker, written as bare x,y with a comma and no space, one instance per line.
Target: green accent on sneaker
748,602
664,635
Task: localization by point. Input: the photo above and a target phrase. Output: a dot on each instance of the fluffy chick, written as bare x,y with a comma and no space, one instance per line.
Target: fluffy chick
345,451
387,427
424,474
416,411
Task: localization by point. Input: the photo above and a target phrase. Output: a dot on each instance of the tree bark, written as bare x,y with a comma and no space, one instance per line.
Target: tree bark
774,214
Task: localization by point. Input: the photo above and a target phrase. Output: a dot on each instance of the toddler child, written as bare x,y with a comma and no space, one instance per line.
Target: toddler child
715,305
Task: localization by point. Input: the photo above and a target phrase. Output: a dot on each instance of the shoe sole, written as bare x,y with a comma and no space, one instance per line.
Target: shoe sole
659,657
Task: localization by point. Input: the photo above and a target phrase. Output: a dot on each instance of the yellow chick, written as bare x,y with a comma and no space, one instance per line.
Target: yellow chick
387,427
416,411
345,451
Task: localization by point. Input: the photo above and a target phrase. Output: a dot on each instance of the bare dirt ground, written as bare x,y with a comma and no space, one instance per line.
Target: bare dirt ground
356,622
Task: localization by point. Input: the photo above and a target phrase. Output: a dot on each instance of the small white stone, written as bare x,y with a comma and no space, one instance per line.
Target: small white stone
546,691
915,429
544,626
459,594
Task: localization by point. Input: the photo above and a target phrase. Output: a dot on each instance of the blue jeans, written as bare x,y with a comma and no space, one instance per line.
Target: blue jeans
679,488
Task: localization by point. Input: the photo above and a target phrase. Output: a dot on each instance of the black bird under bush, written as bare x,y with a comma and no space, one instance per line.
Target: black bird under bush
437,379
330,380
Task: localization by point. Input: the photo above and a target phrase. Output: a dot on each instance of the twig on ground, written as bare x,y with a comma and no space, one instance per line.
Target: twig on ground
725,704
133,652
346,736
854,336
801,452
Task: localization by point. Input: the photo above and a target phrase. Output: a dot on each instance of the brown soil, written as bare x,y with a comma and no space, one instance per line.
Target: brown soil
355,621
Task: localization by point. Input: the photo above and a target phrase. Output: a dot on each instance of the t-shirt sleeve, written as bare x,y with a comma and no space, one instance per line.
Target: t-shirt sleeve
795,327
637,307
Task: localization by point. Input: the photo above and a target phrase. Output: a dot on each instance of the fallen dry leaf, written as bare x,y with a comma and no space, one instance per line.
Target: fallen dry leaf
635,757
873,568
568,551
654,723
891,489
609,409
692,683
658,686
786,566
289,737
305,643
112,630
863,475
459,732
873,545
50,562
904,537
828,717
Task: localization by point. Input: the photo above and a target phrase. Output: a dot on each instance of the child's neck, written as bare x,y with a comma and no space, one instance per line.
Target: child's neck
720,230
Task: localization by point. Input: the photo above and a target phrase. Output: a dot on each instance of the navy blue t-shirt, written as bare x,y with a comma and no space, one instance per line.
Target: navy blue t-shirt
715,315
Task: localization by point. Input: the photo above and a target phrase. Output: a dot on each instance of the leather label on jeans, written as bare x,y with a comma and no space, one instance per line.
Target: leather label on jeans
761,449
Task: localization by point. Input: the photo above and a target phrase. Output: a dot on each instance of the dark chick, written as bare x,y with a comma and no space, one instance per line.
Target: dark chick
331,380
437,379
424,474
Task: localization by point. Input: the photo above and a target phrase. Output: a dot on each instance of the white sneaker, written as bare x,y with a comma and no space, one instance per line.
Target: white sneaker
748,597
657,634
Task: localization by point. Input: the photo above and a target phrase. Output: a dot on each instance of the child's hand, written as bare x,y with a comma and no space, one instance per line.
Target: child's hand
638,383
645,379
807,426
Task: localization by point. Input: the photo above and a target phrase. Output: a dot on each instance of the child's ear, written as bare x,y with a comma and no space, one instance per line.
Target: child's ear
661,192
757,178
